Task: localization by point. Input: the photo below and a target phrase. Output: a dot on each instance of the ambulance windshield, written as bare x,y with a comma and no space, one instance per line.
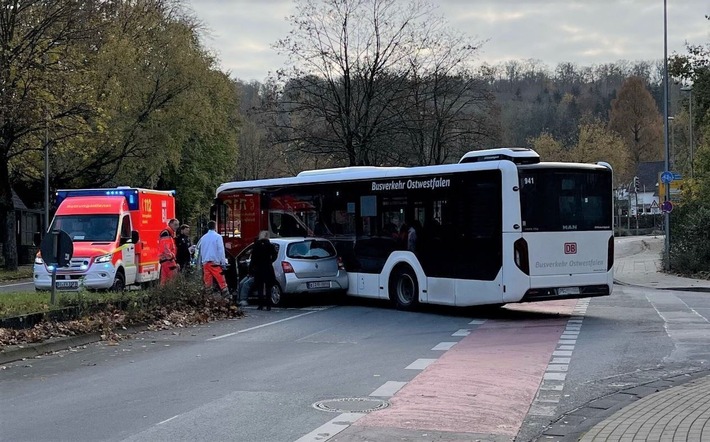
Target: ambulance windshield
93,228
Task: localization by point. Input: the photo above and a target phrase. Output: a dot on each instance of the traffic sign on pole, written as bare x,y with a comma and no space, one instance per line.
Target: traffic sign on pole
667,177
667,207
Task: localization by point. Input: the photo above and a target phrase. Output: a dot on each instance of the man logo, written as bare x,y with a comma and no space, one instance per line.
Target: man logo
570,248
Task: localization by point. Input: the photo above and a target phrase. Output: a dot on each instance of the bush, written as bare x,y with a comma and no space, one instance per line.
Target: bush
690,238
181,303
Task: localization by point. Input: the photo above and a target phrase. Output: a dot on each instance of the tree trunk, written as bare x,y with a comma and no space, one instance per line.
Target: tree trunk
7,207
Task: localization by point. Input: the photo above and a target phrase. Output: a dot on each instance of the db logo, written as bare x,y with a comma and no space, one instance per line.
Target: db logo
570,248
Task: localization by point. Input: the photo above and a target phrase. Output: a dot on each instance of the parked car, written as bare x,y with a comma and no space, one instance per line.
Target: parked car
303,265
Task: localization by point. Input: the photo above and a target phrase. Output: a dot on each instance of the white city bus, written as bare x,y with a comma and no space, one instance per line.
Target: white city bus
498,227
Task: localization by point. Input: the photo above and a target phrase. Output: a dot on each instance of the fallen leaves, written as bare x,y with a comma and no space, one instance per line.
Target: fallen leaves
108,323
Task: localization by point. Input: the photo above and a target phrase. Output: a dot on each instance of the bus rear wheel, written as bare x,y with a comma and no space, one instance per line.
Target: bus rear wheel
403,288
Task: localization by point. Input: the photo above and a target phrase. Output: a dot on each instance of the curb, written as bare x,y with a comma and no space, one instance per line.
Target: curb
20,352
573,425
15,353
681,289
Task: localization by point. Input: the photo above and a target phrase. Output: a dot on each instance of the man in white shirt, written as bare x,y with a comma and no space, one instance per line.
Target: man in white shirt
212,258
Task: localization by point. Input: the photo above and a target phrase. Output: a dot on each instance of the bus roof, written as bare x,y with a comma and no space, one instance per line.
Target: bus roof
368,173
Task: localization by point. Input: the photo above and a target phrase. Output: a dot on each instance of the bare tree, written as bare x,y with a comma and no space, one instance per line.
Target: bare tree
352,67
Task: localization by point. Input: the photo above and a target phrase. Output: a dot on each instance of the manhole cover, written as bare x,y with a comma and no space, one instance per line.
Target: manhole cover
351,405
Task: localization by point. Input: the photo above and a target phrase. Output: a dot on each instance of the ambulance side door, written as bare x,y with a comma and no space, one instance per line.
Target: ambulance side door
128,250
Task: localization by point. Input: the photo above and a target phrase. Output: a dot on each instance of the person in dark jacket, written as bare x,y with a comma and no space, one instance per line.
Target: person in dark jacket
184,248
261,268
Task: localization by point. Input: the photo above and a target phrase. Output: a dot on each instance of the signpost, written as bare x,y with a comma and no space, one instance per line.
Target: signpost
667,207
56,250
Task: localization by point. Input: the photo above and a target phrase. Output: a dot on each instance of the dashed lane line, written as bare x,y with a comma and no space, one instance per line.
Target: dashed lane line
263,325
553,381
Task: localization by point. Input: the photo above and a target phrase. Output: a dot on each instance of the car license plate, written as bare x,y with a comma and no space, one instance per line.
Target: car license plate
566,291
67,285
318,285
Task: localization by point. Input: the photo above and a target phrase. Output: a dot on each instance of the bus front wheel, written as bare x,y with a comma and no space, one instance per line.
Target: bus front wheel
403,288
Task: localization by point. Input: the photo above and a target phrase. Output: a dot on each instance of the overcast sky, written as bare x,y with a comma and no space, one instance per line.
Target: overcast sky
585,32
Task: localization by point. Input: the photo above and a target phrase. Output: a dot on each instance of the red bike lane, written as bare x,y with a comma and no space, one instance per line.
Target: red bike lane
485,384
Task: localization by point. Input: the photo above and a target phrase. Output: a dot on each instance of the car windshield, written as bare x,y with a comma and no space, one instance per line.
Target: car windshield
91,228
311,249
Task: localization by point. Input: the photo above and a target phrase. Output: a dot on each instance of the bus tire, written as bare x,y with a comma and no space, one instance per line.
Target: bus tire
403,288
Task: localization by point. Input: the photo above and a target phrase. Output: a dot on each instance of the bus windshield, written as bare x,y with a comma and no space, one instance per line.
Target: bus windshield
554,200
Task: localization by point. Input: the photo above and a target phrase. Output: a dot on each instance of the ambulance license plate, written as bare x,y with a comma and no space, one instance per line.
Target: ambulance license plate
67,285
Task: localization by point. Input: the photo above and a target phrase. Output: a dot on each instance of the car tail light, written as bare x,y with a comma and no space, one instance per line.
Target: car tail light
287,267
341,266
520,252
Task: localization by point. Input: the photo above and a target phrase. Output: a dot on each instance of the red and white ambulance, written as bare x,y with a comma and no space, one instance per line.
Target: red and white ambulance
115,234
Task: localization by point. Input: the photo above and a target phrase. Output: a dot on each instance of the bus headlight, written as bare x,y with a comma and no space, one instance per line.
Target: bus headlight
103,258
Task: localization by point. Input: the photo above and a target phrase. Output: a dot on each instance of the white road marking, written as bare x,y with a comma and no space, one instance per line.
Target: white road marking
462,332
477,321
554,376
444,346
420,364
557,367
14,285
168,420
388,389
551,386
262,325
565,347
562,353
560,360
567,341
331,428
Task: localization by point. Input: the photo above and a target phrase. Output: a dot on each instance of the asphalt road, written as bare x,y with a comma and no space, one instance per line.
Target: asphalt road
17,286
252,379
256,378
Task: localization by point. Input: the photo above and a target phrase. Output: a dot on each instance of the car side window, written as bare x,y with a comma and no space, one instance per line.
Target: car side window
245,255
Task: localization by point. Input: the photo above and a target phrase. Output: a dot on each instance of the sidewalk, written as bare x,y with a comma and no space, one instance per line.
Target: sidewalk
678,413
644,269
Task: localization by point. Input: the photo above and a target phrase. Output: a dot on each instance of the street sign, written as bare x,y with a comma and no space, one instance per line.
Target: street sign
654,204
56,248
667,207
667,177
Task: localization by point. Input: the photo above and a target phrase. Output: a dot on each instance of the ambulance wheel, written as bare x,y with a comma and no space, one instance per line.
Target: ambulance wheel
119,282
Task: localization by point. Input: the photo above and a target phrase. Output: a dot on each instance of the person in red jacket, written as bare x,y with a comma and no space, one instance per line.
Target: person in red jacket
168,252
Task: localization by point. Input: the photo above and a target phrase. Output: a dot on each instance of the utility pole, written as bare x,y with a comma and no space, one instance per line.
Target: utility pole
667,217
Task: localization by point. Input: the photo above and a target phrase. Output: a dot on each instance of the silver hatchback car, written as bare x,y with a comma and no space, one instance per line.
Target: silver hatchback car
303,265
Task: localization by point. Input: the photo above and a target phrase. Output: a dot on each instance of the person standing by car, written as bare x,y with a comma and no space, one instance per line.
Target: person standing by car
185,248
211,250
168,251
261,267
